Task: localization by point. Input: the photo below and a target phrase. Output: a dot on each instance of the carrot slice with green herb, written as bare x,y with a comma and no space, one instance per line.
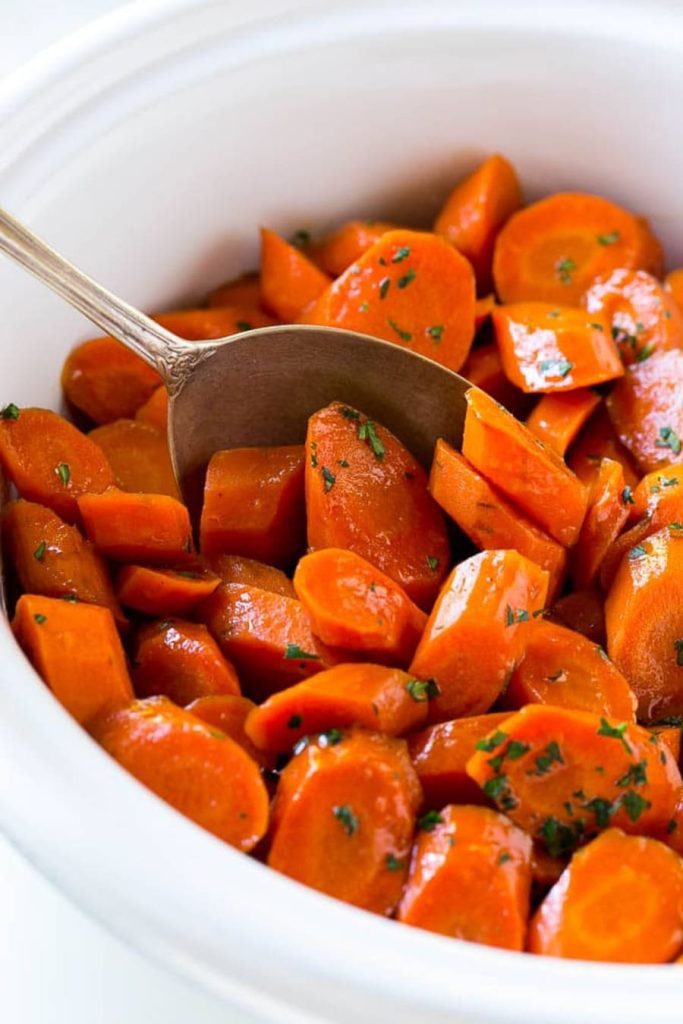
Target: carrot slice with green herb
244,290
154,412
659,495
137,527
646,409
484,368
107,381
348,243
557,418
625,543
229,712
139,456
218,322
247,571
669,732
156,591
608,511
582,611
181,660
596,442
290,282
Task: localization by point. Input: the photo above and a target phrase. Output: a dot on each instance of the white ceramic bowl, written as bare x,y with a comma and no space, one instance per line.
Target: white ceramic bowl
148,148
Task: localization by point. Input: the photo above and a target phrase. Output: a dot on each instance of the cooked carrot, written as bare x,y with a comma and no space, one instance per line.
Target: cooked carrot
107,381
137,527
672,834
348,243
244,290
484,368
219,322
652,253
157,591
483,308
528,472
557,418
546,348
563,775
254,504
640,314
670,735
76,650
290,282
620,900
673,284
476,210
139,456
625,543
154,412
472,640
411,288
440,754
659,496
198,770
608,510
599,441
646,409
229,712
236,569
582,611
49,461
354,606
487,518
565,669
384,700
644,626
470,878
182,661
366,492
52,558
343,818
552,250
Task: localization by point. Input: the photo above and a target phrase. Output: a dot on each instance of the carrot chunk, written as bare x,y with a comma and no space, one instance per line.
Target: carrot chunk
484,368
107,381
197,770
154,412
76,650
244,290
343,818
348,243
599,441
472,639
608,511
620,900
646,409
163,591
669,734
659,496
290,282
470,878
208,324
181,660
137,527
139,456
229,712
557,418
583,611
673,284
237,569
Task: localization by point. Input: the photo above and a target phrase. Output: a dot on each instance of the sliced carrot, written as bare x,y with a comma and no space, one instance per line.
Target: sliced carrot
484,368
218,322
290,282
608,511
107,381
528,472
164,591
470,878
440,754
673,284
620,900
343,818
348,243
557,418
487,518
254,504
582,611
552,250
565,669
599,441
670,735
49,461
366,492
659,495
640,314
76,650
472,640
137,527
181,660
646,409
139,456
625,543
547,349
237,569
198,770
385,700
563,775
354,606
411,288
154,412
51,558
229,712
483,309
643,613
244,290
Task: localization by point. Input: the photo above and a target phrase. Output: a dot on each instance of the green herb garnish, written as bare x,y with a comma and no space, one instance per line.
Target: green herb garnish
295,653
10,412
40,619
429,821
63,472
40,551
367,432
668,438
345,815
423,690
409,276
403,335
608,239
558,367
329,479
402,253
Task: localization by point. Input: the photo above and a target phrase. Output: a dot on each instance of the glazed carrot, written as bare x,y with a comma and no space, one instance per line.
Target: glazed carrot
582,611
348,243
608,511
557,418
236,569
290,282
472,640
440,754
354,606
552,250
181,660
164,591
254,504
599,441
244,290
673,284
652,253
49,461
483,308
643,617
76,650
646,409
548,348
487,518
565,669
672,835
137,527
625,543
620,900
484,369
523,468
343,818
197,770
640,314
107,381
545,870
154,412
470,878
476,210
51,558
219,322
411,288
384,700
659,495
229,712
670,735
139,456
365,492
563,775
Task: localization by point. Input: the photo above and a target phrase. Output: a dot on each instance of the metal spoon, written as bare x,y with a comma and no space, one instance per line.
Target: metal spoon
258,387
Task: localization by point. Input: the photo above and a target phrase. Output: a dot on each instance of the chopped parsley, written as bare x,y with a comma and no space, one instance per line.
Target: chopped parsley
330,738
368,433
635,776
329,478
432,563
402,253
39,553
565,268
496,787
63,472
513,616
349,414
559,838
384,286
392,863
40,619
295,653
348,819
627,496
423,690
429,821
558,367
668,438
409,276
489,743
615,732
435,332
295,722
301,238
636,552
634,804
602,809
645,352
10,412
403,335
504,857
343,463
242,325
609,239
550,756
